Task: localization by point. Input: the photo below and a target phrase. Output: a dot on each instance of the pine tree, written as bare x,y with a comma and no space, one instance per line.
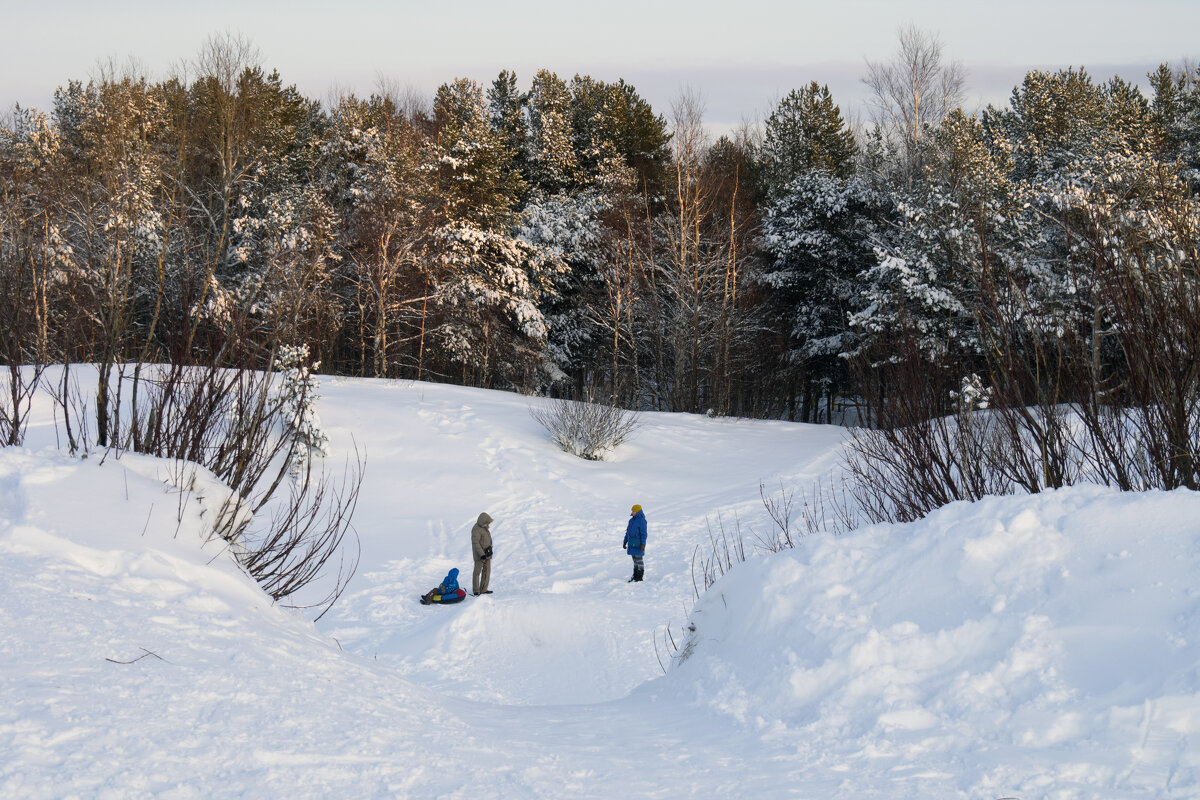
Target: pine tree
612,122
817,240
552,163
1176,109
805,133
474,178
487,287
570,226
815,236
1082,156
931,266
506,105
298,392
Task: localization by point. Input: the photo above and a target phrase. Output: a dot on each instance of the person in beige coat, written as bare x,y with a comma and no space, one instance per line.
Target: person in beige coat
481,550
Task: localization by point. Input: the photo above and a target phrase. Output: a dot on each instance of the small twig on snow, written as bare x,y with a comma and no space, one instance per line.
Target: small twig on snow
145,653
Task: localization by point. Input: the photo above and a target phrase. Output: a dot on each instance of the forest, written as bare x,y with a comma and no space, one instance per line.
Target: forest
562,237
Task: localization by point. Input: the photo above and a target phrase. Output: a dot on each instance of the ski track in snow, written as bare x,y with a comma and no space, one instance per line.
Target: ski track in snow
986,653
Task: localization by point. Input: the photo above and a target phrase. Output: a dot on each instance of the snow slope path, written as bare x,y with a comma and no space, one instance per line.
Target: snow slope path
137,661
139,664
563,625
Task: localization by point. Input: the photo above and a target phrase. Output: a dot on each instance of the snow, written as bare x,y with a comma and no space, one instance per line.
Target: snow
996,648
1030,647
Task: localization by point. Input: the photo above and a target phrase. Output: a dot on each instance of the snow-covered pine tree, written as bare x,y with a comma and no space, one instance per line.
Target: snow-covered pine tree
569,225
610,121
1176,109
1081,155
552,163
288,244
816,237
805,132
487,287
377,178
298,393
490,293
931,263
474,182
506,106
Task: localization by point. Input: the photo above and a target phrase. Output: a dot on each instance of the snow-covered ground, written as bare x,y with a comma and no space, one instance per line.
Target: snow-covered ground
1027,647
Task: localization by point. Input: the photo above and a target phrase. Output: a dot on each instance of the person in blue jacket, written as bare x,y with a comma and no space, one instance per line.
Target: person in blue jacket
445,592
635,541
449,583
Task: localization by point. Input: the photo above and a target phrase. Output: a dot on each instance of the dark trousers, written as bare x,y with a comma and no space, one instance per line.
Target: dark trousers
638,567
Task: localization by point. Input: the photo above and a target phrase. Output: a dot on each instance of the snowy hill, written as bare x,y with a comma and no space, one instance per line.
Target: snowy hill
1033,647
1018,647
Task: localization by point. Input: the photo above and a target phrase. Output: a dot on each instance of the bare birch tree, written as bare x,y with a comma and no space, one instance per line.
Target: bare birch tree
913,92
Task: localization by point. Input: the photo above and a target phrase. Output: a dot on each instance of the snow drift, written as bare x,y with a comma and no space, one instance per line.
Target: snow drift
1019,646
1030,647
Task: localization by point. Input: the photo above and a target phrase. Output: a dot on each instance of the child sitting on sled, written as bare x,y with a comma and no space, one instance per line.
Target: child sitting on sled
446,592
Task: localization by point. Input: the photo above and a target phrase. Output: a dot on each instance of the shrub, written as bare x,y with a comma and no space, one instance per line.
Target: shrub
586,428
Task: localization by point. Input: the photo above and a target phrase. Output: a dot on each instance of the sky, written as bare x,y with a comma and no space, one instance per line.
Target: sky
740,57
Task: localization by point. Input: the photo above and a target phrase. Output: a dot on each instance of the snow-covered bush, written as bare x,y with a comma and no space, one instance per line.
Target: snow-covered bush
586,428
298,389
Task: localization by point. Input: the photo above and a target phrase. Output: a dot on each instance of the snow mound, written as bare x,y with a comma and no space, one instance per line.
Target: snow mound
137,659
533,650
1022,646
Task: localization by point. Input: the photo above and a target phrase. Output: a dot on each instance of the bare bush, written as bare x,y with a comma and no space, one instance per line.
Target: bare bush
289,528
675,651
69,400
22,349
1107,390
725,549
820,508
779,508
238,424
1144,430
16,395
1114,395
922,451
227,420
305,537
586,428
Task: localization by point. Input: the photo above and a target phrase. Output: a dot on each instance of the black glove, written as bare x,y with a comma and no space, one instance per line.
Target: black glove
487,552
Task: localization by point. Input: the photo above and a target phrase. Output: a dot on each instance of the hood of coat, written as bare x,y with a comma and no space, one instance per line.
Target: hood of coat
484,520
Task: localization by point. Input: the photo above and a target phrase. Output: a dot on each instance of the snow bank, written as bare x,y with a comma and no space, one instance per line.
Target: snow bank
1025,647
1040,646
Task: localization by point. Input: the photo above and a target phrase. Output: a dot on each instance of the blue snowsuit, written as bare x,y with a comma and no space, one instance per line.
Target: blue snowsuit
635,535
635,543
449,583
446,592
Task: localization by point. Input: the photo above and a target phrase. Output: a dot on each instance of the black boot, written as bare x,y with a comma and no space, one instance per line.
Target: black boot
638,572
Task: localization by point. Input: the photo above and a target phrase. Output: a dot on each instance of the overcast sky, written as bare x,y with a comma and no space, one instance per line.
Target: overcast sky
740,55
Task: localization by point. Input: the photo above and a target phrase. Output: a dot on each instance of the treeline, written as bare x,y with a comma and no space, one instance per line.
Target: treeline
562,236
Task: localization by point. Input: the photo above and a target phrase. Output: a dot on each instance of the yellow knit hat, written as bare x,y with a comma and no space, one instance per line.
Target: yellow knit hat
635,509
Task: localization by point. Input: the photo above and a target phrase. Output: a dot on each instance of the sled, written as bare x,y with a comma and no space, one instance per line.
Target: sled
429,598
